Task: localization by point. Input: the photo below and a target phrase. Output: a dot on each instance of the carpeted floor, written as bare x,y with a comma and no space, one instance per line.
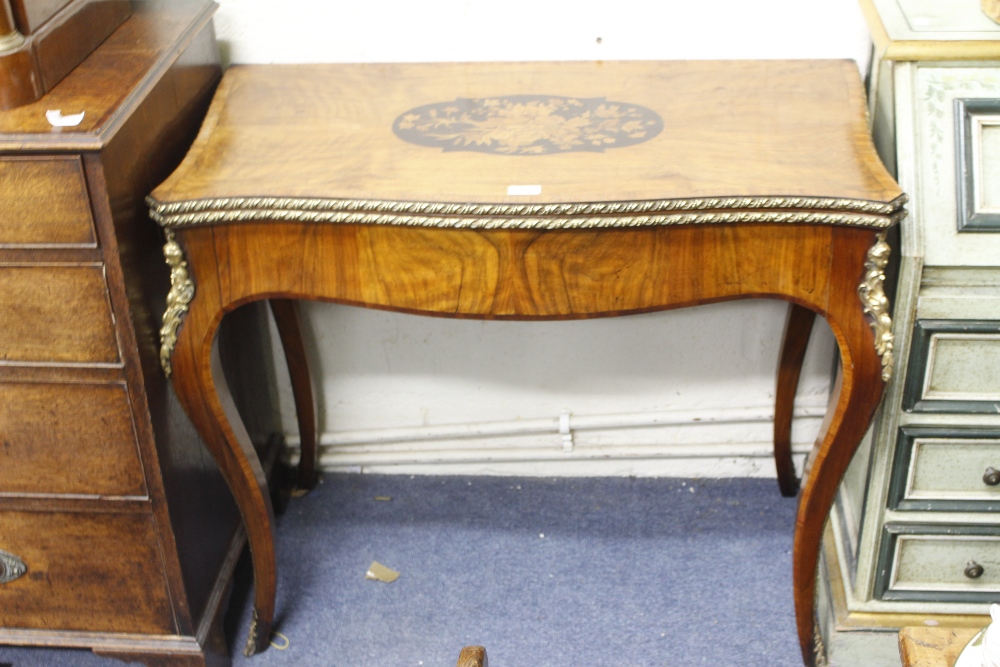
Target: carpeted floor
580,572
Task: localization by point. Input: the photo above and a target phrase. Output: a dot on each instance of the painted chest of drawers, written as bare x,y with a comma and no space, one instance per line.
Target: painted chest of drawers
917,527
116,532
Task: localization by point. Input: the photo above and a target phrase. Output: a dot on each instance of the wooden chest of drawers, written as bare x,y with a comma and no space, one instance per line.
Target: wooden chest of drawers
117,533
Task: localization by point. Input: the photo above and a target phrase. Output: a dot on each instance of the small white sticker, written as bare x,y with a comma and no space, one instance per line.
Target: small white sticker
57,119
524,189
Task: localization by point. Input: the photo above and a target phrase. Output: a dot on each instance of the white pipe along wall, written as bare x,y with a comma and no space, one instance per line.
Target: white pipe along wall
679,393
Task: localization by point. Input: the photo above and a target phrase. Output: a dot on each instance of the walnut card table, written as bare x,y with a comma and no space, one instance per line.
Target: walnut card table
533,191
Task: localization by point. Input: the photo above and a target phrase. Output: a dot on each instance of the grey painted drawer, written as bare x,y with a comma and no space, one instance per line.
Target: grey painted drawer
939,563
946,469
954,367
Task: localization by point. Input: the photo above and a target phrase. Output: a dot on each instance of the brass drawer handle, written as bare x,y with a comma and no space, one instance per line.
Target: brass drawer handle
973,570
11,567
991,477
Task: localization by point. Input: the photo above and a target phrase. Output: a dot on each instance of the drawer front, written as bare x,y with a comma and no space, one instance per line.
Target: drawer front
953,563
57,314
68,439
947,469
43,201
954,367
84,572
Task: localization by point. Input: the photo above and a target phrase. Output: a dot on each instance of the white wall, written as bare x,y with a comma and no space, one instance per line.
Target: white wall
679,393
263,31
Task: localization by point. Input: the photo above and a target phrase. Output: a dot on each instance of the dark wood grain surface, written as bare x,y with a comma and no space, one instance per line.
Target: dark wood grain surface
29,15
7,24
44,202
517,274
71,438
54,36
286,319
56,314
98,572
104,86
798,327
105,488
69,37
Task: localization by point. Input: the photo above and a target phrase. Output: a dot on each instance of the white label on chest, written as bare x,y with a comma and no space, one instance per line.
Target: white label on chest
524,189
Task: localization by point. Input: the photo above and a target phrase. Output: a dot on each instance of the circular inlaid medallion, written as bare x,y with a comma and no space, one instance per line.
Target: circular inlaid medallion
528,124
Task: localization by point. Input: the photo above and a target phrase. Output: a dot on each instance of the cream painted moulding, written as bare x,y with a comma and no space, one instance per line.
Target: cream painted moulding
931,30
935,210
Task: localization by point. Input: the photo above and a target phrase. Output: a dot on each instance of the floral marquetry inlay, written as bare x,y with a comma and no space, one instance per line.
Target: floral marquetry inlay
528,124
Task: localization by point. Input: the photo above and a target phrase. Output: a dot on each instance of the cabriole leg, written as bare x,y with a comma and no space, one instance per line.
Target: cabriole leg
863,332
798,326
190,327
286,317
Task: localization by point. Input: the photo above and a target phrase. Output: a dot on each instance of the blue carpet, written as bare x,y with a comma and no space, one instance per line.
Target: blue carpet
583,572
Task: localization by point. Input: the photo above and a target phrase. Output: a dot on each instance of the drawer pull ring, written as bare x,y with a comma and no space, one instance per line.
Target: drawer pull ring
991,477
11,567
973,570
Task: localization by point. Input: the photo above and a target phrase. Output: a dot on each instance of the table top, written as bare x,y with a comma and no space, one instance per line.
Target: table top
510,137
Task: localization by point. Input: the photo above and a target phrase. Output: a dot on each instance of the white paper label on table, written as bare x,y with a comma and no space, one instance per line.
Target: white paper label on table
524,189
57,119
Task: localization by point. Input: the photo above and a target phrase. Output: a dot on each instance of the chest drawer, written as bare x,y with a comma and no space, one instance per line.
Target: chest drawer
43,201
940,563
954,367
68,439
84,571
947,469
56,313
